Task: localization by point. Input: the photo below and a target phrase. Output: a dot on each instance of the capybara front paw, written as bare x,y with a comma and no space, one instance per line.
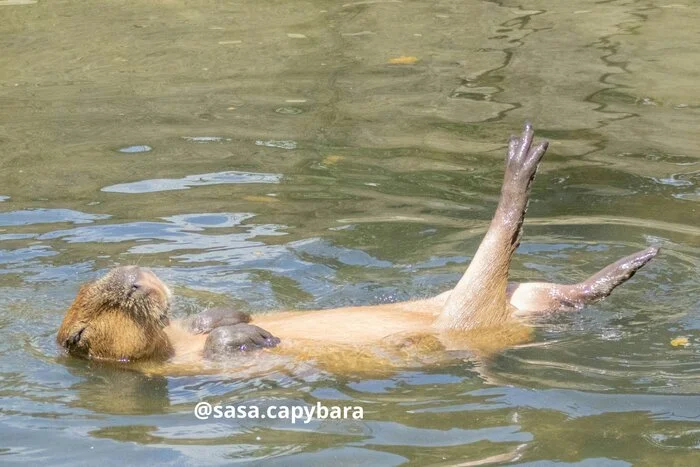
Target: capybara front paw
226,341
213,318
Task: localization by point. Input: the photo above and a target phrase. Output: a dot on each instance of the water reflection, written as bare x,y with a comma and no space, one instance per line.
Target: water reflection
47,216
318,155
166,184
136,149
111,389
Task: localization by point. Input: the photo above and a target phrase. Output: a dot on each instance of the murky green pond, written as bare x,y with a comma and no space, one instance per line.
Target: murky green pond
267,155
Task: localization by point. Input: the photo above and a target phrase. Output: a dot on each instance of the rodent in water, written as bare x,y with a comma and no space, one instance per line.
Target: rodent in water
124,315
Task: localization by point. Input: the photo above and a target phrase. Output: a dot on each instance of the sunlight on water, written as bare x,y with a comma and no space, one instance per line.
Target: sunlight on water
150,186
303,155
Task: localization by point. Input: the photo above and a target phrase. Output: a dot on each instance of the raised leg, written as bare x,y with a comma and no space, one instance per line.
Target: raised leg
536,297
480,298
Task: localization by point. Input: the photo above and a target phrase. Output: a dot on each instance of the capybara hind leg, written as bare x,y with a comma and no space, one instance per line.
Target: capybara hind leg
534,297
602,283
479,299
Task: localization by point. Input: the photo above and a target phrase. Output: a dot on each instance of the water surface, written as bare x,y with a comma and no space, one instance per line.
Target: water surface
268,155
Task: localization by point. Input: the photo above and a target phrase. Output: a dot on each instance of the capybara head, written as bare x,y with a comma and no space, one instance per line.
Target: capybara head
119,316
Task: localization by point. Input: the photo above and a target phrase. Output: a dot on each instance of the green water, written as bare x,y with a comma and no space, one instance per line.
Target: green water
279,161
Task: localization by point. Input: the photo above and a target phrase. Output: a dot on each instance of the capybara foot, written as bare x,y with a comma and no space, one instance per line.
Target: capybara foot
226,341
522,159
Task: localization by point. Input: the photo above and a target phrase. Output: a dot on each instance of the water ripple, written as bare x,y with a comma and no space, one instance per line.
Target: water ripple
47,216
168,184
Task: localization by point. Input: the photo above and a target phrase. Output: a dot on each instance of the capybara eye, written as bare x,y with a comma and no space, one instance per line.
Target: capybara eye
134,288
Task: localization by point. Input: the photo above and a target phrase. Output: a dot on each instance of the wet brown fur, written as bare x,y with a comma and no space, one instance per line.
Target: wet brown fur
108,322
